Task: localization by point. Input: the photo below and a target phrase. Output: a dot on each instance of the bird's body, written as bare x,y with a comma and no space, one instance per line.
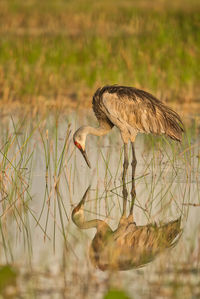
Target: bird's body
132,111
129,246
135,111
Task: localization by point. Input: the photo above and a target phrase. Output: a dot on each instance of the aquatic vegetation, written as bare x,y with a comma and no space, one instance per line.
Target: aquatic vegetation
43,178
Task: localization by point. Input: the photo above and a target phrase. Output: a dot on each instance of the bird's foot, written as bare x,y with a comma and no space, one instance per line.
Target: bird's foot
130,219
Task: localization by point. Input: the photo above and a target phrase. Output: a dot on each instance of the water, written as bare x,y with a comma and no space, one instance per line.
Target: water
43,179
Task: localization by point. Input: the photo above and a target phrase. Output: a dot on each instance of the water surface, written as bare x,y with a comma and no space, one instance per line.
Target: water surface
43,177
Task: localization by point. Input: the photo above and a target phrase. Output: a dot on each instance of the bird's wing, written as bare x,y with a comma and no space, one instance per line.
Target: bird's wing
153,237
141,112
122,112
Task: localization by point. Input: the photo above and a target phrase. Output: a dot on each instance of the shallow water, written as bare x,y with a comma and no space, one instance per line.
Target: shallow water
41,184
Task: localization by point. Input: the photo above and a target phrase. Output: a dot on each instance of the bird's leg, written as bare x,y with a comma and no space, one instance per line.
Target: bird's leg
133,192
125,165
125,168
125,197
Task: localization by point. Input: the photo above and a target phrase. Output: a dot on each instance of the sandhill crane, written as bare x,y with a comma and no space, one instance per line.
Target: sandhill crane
129,246
132,111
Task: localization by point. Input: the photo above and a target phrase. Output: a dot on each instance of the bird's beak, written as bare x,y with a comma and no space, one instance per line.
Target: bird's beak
78,212
81,203
85,157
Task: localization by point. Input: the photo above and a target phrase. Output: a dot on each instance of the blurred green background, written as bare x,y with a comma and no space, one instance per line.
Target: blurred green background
66,49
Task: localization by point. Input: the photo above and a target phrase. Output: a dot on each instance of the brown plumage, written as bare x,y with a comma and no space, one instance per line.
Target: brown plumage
132,107
129,246
132,111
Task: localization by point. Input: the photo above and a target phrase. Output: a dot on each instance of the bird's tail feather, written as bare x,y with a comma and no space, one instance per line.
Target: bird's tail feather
174,124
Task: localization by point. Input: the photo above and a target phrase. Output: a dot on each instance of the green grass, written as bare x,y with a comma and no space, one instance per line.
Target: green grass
42,178
61,48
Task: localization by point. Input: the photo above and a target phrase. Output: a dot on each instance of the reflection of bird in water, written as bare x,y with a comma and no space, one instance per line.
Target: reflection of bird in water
132,111
129,246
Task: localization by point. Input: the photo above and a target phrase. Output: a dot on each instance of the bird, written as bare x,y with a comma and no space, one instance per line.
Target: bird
132,111
129,246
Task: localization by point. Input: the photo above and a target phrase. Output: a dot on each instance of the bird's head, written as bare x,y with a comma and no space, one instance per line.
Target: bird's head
79,141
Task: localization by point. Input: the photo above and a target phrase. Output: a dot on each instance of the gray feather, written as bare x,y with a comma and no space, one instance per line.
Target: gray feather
133,110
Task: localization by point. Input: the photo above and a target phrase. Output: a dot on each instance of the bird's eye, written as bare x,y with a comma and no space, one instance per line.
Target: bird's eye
77,144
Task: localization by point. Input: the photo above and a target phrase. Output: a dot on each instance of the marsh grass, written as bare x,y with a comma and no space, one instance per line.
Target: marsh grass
60,51
43,177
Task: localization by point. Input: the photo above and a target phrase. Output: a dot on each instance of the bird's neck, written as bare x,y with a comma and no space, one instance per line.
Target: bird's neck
100,131
79,219
95,223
